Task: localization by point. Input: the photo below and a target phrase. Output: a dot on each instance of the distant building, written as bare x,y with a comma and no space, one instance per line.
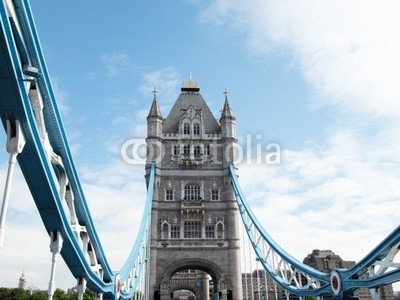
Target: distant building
259,285
326,260
22,284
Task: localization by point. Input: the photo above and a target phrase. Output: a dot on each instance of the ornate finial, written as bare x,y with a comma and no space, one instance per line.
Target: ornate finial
155,92
190,85
226,93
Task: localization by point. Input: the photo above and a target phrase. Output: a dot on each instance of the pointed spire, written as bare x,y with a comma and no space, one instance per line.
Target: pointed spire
155,109
227,111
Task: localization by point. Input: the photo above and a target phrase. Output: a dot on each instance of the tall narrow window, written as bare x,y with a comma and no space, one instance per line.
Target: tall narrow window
165,230
196,129
215,195
192,230
207,149
186,149
220,231
192,191
197,150
186,128
175,232
210,232
169,195
176,150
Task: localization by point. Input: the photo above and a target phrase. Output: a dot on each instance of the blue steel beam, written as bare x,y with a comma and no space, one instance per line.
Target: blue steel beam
292,275
26,95
34,161
378,268
55,130
135,267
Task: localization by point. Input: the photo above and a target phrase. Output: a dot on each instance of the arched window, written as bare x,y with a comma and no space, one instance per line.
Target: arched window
165,230
192,191
220,230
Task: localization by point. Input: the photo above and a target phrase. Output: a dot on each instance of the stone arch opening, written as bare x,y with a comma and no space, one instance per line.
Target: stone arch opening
193,275
184,293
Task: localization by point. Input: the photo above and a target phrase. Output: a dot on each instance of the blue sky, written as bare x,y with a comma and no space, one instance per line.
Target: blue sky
319,79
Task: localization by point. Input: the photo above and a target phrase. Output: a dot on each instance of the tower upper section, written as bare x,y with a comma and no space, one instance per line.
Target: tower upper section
190,108
190,136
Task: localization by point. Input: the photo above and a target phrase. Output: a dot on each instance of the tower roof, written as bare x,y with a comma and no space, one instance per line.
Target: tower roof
155,108
190,95
227,111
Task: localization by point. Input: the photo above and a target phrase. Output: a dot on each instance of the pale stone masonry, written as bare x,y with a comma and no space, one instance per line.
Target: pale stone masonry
194,213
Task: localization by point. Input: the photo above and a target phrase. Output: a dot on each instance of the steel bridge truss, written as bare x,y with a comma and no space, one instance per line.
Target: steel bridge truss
36,138
380,267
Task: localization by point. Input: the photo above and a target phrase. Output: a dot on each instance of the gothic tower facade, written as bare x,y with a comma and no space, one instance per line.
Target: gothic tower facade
194,214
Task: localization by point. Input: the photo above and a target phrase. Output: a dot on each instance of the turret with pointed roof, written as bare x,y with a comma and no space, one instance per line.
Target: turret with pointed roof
227,111
155,108
154,118
228,120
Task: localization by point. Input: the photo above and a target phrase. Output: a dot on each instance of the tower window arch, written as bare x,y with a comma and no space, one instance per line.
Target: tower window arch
219,228
192,191
165,230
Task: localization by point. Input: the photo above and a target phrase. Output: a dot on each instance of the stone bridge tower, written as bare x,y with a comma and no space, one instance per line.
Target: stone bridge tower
194,214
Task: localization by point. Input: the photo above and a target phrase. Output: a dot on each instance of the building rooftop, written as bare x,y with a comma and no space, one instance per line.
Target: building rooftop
190,96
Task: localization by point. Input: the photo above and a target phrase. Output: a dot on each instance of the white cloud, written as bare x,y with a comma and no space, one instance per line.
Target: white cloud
114,63
116,194
327,198
329,194
167,82
347,50
116,191
26,243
